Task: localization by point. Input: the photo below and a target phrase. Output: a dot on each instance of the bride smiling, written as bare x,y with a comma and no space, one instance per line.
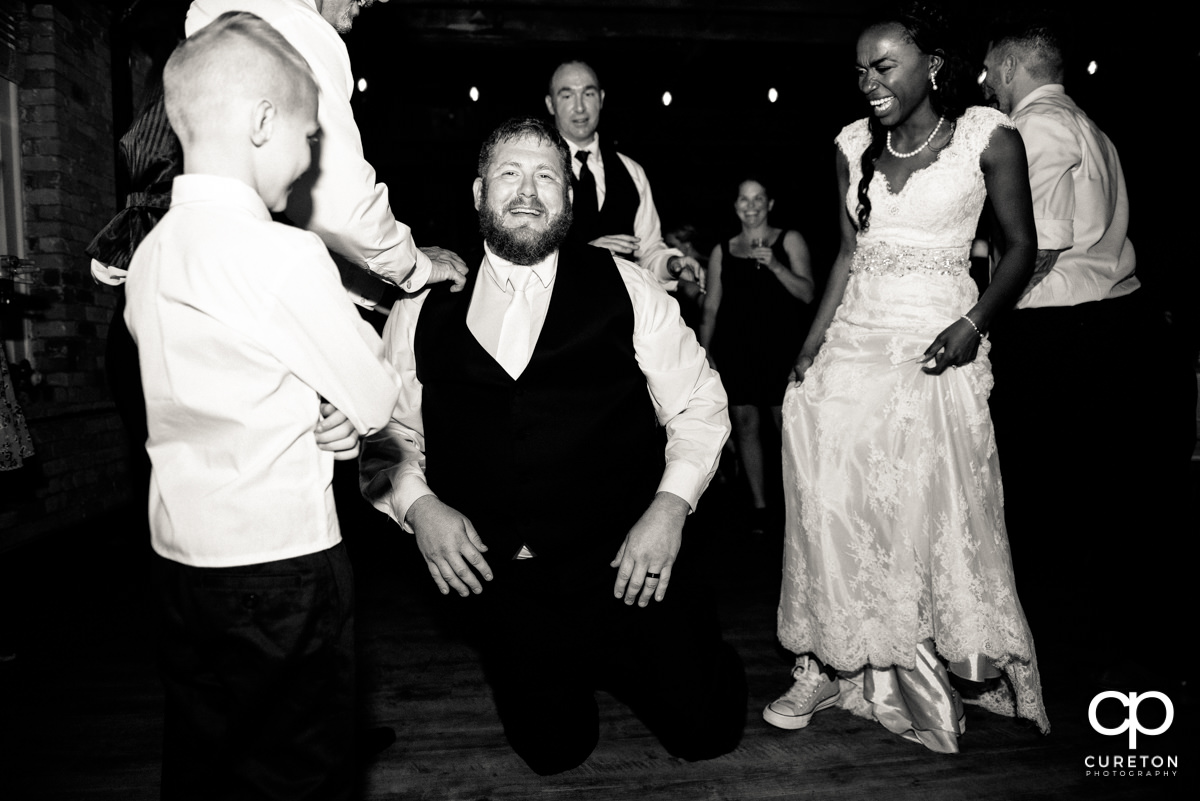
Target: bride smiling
897,571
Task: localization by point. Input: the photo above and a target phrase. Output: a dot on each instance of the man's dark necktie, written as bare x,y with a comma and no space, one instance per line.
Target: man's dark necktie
586,207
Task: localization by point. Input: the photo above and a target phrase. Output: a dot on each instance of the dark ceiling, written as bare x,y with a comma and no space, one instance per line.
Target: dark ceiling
717,58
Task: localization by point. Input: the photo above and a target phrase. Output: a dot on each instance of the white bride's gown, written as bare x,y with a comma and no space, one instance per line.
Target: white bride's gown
895,551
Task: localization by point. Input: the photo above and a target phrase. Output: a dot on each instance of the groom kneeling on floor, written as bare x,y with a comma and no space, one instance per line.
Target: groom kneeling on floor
525,408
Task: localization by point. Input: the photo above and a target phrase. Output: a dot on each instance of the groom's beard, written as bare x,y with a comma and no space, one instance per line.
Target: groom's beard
523,245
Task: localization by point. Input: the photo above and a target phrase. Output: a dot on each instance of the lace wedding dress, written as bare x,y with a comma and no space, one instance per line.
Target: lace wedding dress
896,560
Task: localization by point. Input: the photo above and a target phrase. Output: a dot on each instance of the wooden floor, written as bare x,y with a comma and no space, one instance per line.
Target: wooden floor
80,705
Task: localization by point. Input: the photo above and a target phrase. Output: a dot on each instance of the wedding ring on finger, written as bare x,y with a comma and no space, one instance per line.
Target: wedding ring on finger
653,575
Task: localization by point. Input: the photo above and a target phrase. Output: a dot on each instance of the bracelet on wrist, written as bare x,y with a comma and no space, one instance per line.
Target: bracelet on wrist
972,322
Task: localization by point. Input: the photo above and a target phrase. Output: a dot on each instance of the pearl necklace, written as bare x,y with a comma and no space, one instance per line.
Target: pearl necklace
900,155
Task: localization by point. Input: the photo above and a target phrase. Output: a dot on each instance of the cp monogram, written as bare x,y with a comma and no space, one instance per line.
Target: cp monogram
1131,723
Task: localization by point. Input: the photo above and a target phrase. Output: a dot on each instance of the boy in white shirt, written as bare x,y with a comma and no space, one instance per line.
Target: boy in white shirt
243,328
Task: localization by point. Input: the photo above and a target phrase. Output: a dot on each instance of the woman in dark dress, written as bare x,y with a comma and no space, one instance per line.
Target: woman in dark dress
755,317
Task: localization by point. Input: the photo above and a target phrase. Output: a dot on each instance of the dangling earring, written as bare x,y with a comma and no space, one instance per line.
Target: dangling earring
933,80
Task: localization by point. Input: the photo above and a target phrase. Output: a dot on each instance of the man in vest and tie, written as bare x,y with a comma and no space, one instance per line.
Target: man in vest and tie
568,422
613,206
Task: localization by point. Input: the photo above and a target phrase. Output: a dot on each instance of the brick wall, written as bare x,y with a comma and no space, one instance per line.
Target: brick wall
66,133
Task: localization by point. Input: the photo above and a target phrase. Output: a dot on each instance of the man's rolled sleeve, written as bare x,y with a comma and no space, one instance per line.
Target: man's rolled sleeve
1054,154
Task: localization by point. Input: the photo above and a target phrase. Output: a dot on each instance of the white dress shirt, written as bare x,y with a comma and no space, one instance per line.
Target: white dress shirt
1079,202
492,294
652,253
349,209
687,394
242,328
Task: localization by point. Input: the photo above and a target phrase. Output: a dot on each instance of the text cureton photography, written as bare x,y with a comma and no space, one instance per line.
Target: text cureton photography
1125,708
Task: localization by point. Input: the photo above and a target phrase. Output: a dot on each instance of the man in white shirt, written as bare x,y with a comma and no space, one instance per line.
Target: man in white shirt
568,421
621,216
1081,363
242,328
339,199
1080,201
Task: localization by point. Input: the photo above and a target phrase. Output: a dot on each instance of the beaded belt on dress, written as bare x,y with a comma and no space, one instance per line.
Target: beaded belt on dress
882,258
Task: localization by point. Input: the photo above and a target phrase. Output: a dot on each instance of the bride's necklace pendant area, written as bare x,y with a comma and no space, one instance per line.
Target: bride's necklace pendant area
932,134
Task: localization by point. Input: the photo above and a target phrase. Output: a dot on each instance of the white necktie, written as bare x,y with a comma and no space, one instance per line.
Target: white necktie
512,351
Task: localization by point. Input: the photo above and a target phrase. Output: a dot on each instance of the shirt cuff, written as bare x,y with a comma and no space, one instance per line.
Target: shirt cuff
684,480
1055,234
656,264
367,295
419,275
409,489
104,274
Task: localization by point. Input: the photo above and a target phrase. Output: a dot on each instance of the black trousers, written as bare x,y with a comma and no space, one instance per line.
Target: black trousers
258,666
553,633
1094,428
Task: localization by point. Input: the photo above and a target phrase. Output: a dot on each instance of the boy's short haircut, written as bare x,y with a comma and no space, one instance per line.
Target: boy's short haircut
237,55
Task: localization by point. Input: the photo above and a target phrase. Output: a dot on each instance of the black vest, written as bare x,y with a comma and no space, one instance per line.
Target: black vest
621,202
564,458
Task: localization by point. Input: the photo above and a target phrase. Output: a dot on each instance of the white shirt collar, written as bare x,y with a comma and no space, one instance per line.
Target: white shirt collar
592,147
501,270
1041,91
198,188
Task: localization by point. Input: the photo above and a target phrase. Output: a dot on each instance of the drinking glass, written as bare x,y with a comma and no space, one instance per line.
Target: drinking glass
757,242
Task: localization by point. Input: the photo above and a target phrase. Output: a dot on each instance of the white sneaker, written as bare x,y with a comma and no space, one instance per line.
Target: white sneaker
811,693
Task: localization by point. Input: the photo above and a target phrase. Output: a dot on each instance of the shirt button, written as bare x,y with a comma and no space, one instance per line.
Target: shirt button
249,601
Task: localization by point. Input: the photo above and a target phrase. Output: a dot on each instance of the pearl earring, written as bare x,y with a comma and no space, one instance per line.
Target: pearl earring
933,80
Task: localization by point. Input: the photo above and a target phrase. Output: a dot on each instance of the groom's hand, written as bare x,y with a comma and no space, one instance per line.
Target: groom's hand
450,545
649,550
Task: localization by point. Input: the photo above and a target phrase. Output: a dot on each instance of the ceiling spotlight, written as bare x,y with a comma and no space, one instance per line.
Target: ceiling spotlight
772,95
474,93
362,84
666,98
1092,68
